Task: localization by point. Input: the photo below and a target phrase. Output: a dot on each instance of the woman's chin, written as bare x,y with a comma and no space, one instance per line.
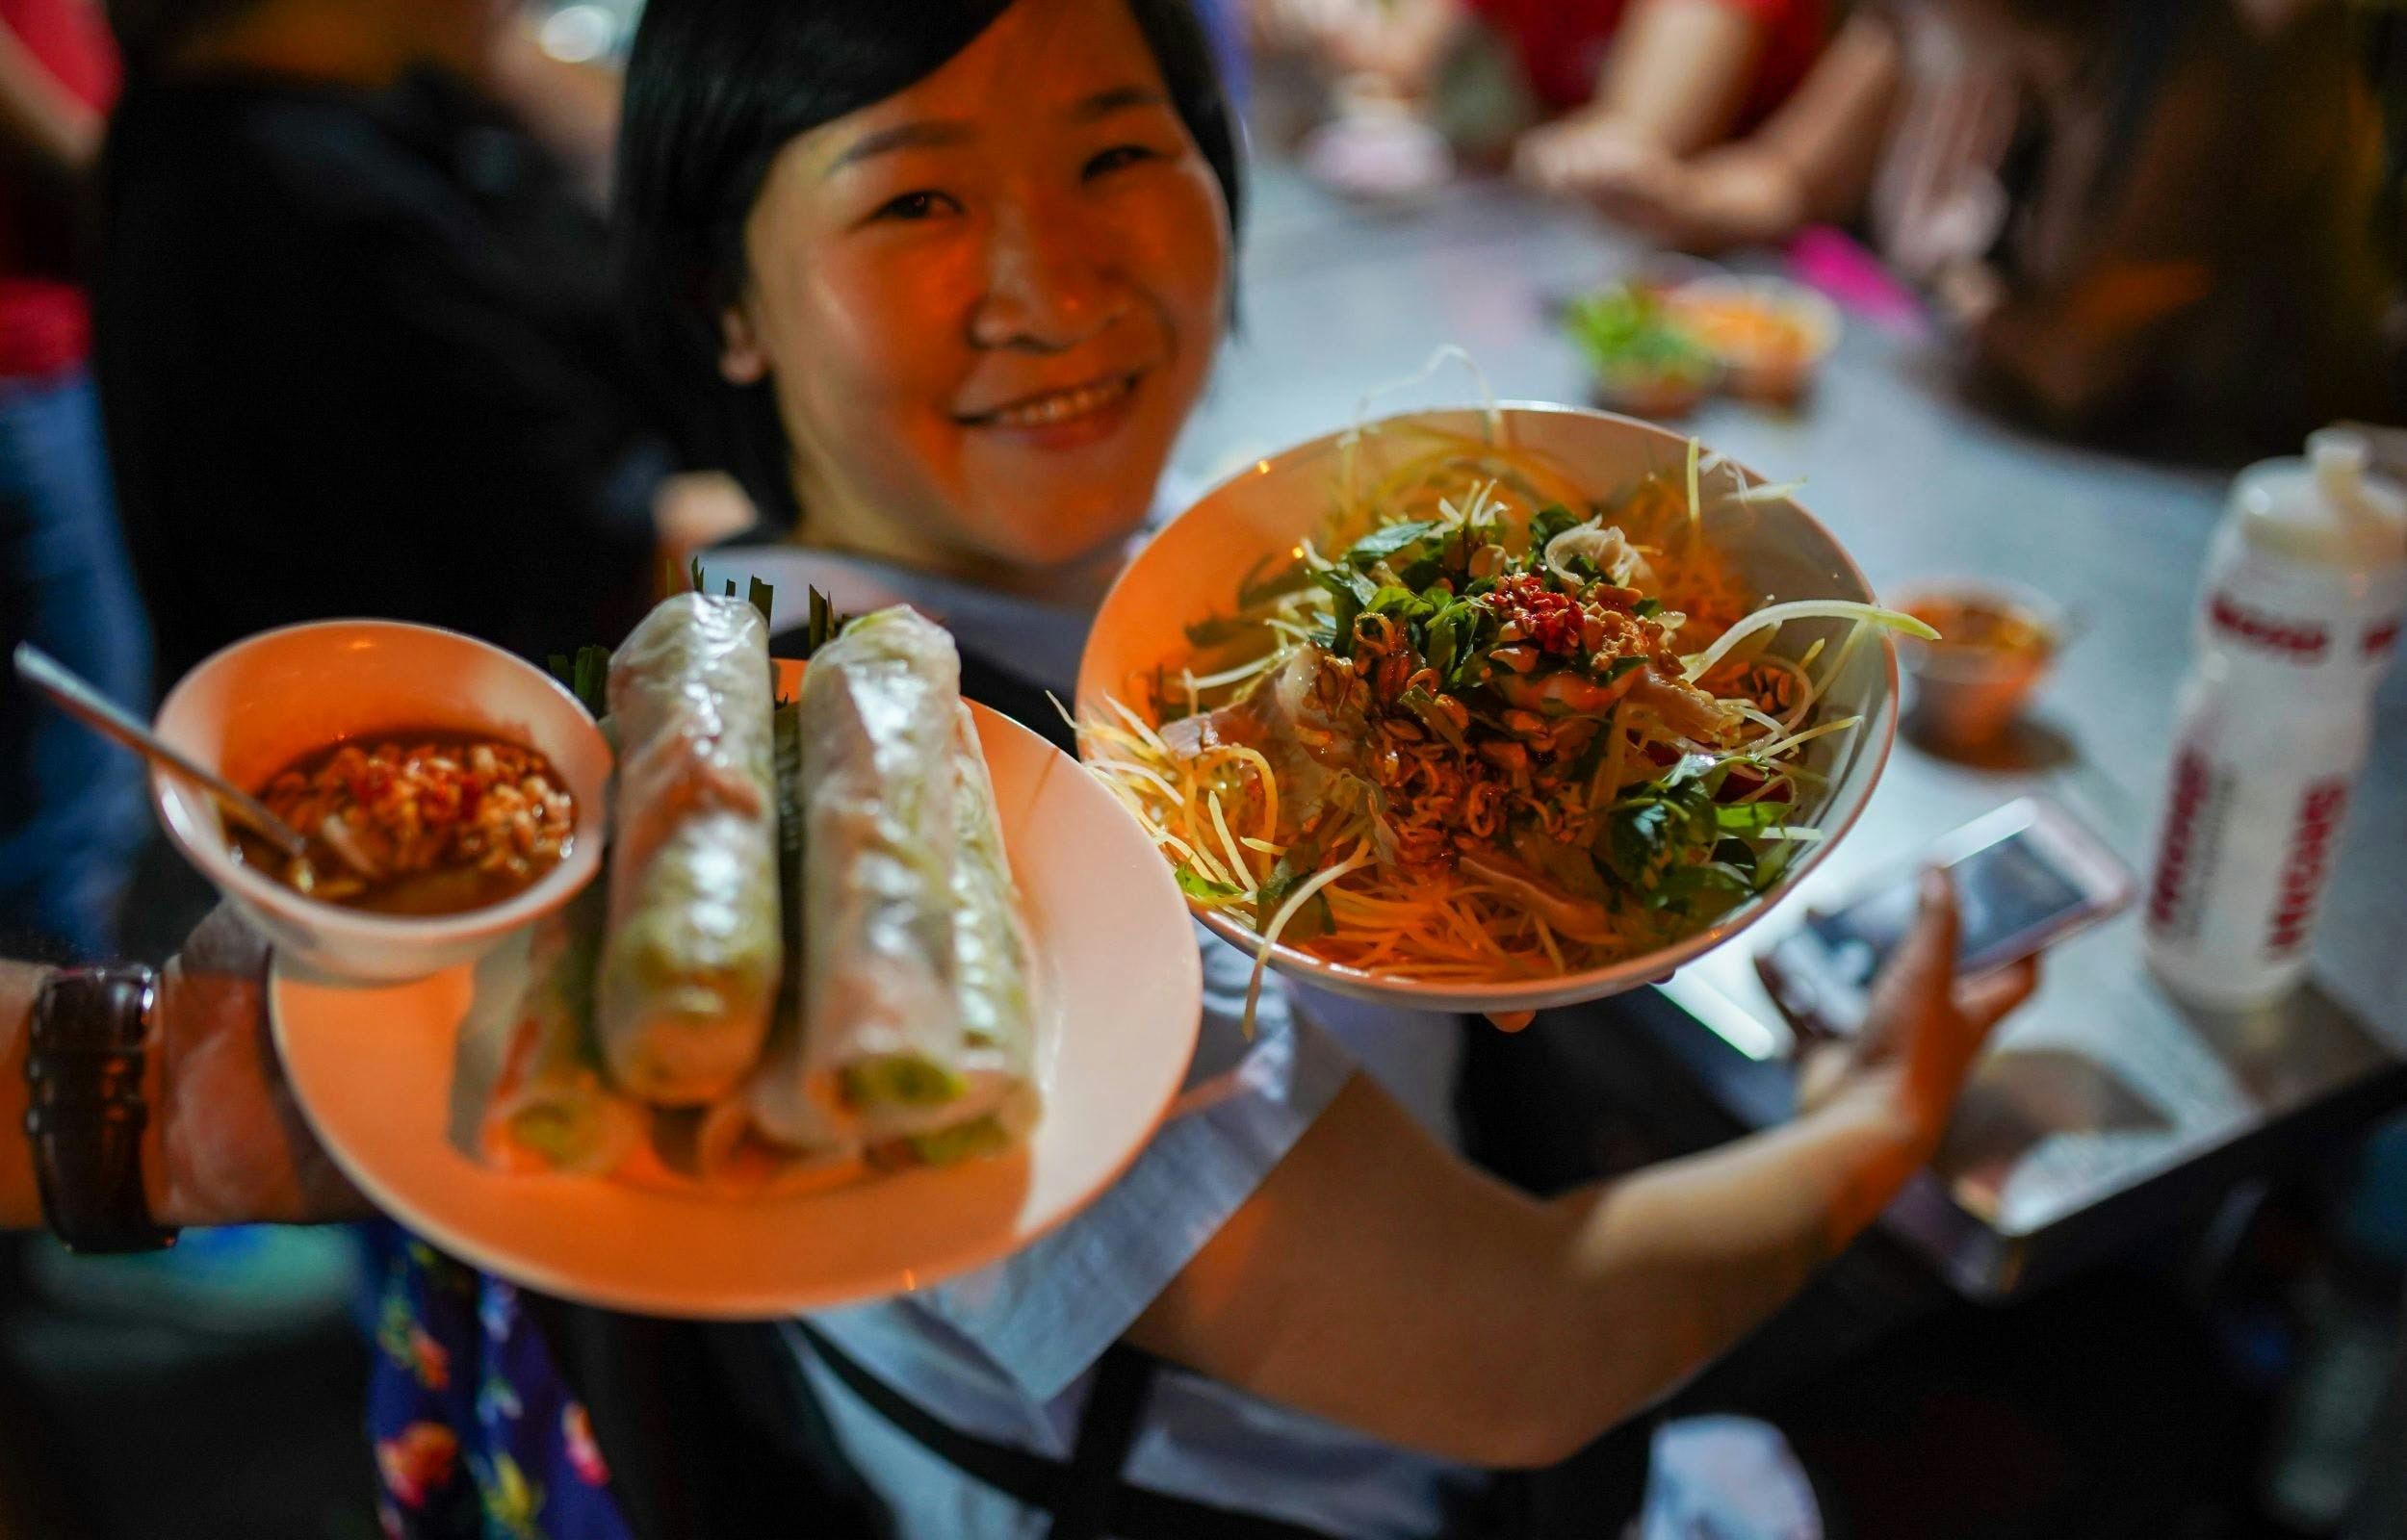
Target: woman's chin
1034,538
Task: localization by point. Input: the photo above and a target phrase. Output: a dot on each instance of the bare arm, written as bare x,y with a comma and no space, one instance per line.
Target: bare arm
1377,1281
225,1143
41,119
1826,137
1678,71
1811,161
20,1201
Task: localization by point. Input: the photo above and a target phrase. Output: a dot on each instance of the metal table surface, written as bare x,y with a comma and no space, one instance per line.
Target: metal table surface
2100,1096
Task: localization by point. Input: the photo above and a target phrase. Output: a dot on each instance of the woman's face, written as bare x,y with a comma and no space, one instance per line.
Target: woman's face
989,302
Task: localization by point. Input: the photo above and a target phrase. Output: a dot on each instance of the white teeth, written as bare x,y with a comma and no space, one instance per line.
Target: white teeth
1062,405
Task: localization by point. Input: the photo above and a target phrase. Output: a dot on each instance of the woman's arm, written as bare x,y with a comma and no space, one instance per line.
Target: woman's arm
1379,1281
1811,161
226,1143
20,1201
1678,71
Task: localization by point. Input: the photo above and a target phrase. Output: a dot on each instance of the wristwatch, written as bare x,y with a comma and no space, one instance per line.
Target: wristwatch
86,1114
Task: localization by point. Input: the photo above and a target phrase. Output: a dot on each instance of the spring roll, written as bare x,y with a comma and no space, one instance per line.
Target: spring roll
690,970
994,1062
877,835
551,1108
732,1150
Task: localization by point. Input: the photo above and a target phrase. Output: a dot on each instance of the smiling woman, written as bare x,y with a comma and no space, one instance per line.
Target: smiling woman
1008,313
946,276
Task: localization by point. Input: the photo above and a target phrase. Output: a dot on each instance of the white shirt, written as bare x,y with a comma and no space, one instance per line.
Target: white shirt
1006,1354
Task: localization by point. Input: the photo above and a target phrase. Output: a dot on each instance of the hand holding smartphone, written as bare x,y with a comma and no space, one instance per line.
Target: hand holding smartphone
2025,875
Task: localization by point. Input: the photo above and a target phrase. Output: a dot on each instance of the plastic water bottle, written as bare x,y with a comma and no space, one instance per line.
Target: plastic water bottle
2298,617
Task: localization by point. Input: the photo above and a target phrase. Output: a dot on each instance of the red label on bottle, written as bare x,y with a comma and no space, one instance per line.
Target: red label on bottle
2187,827
2302,641
2321,809
2382,638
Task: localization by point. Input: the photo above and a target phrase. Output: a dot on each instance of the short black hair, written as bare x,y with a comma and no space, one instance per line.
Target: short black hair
716,88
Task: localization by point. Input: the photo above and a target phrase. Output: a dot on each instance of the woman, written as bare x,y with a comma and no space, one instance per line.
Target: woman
952,273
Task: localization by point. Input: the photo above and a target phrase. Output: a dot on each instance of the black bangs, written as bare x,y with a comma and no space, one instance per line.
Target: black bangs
716,88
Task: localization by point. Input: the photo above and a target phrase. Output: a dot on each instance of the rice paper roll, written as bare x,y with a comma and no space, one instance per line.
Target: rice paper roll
690,967
994,1059
875,730
734,1148
551,1108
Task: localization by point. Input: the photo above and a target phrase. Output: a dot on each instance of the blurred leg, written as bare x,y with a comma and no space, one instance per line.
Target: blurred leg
71,807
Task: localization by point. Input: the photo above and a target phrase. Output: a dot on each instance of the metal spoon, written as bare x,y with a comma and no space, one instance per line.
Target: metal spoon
88,706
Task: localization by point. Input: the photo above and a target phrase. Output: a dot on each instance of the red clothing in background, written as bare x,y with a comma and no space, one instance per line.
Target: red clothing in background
1563,44
44,323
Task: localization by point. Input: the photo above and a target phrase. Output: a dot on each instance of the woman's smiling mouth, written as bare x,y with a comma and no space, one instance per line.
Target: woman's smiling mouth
1078,414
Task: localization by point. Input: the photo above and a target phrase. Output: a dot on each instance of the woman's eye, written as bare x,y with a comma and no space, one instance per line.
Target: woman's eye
1117,157
922,205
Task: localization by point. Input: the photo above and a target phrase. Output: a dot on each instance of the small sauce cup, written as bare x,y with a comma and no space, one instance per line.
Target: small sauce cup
1997,642
258,705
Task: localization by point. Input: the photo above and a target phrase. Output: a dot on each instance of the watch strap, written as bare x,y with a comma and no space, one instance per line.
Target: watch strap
84,1112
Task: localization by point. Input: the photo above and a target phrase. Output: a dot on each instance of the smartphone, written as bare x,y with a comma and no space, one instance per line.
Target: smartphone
2026,876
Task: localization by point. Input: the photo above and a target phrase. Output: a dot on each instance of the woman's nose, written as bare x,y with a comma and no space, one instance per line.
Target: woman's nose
1049,284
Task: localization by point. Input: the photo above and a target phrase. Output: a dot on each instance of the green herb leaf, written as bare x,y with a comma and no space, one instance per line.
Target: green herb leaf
1549,522
1621,666
1713,886
824,623
1647,608
1381,544
1204,890
1354,593
592,681
1751,817
1215,631
1259,587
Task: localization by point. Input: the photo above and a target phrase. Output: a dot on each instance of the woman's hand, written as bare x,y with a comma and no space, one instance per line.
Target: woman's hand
1581,154
1726,198
1922,1028
233,1147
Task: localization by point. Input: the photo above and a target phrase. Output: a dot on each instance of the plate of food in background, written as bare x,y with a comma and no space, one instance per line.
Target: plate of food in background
871,987
1490,709
1659,350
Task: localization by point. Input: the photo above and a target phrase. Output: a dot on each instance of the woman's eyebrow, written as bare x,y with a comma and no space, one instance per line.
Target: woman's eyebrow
1118,99
902,137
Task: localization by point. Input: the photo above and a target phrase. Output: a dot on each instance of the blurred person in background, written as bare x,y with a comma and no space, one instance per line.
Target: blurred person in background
1610,77
70,807
2145,214
356,348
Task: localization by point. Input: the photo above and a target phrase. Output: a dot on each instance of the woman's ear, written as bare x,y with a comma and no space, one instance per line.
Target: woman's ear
741,359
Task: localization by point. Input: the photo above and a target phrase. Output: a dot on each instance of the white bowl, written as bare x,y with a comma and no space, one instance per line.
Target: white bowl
1191,572
258,705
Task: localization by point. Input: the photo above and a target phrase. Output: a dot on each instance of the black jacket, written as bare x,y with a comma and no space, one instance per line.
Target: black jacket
357,356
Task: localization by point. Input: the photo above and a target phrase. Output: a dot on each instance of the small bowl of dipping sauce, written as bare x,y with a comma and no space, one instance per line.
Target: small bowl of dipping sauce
449,793
1996,643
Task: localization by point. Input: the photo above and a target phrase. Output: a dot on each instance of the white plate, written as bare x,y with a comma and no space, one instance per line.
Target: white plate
1191,572
1121,986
